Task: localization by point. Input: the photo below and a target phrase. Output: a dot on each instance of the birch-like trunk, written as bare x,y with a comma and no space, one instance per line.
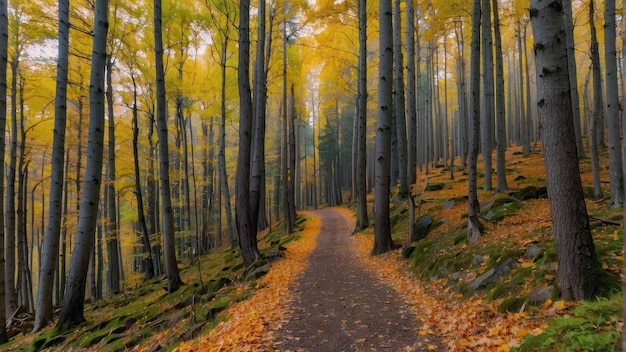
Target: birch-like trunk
74,301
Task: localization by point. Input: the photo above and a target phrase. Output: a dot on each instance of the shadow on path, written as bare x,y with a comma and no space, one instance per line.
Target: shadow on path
341,307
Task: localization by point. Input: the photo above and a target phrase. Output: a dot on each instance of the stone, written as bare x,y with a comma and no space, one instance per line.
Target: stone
448,204
490,214
259,272
533,251
422,226
442,272
434,187
540,295
477,260
492,275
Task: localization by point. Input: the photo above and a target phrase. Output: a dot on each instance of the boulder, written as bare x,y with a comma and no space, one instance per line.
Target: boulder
492,275
407,251
540,295
434,187
533,251
422,226
448,204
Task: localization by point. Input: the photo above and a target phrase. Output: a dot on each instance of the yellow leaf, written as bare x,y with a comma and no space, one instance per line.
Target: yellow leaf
527,265
560,305
432,347
547,303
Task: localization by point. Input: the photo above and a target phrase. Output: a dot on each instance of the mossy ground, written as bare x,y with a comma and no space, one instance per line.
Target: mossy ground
147,316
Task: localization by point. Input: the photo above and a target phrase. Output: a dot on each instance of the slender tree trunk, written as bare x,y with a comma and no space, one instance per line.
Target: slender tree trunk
613,108
292,159
114,270
10,222
362,221
169,246
258,140
148,264
524,140
579,271
624,170
245,228
4,34
473,224
487,113
382,229
399,101
288,220
573,76
73,303
598,105
501,184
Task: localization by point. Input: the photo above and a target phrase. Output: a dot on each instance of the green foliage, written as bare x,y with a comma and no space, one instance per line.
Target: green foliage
593,326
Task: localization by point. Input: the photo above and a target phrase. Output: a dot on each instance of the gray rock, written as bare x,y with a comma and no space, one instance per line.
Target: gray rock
541,294
448,204
552,266
422,226
477,260
533,251
442,272
492,275
490,214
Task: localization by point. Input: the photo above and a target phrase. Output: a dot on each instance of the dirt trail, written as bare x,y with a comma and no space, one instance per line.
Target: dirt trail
339,306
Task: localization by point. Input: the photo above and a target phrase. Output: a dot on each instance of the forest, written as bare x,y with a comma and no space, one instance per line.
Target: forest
168,156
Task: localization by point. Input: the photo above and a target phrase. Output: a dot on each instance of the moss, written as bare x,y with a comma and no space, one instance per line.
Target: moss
461,237
421,253
511,305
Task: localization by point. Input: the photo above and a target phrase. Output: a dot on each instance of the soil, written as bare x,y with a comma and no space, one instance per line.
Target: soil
340,306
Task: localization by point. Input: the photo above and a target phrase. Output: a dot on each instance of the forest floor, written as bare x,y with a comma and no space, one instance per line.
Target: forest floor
326,292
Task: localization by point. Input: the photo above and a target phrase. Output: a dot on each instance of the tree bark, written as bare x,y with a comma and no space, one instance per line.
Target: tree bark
247,236
501,184
573,76
399,101
114,269
598,109
362,221
578,267
73,303
382,225
473,224
612,106
169,240
488,112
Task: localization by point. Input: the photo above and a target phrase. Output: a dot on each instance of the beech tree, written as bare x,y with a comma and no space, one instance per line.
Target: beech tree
74,301
382,226
169,240
579,271
247,236
473,224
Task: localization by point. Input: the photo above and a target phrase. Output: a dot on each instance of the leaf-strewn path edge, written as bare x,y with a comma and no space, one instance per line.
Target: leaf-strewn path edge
252,321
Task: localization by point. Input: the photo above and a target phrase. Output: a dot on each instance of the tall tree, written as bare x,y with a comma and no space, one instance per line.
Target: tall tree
597,126
473,224
74,301
578,275
382,225
112,239
501,184
4,35
612,106
411,98
573,76
257,180
247,236
487,112
362,221
624,153
399,101
169,240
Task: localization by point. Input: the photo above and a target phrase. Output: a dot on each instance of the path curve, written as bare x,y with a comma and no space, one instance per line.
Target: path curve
339,306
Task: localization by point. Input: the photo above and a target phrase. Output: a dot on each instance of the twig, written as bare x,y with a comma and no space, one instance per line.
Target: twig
606,221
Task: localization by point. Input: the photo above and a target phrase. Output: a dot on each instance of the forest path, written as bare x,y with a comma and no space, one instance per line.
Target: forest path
340,306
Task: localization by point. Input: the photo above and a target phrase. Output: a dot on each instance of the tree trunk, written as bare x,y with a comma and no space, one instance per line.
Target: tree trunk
578,267
487,113
501,184
10,222
624,171
573,76
114,270
258,139
598,100
362,221
382,225
73,303
473,225
4,31
148,264
399,101
169,246
612,106
247,234
292,159
288,220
